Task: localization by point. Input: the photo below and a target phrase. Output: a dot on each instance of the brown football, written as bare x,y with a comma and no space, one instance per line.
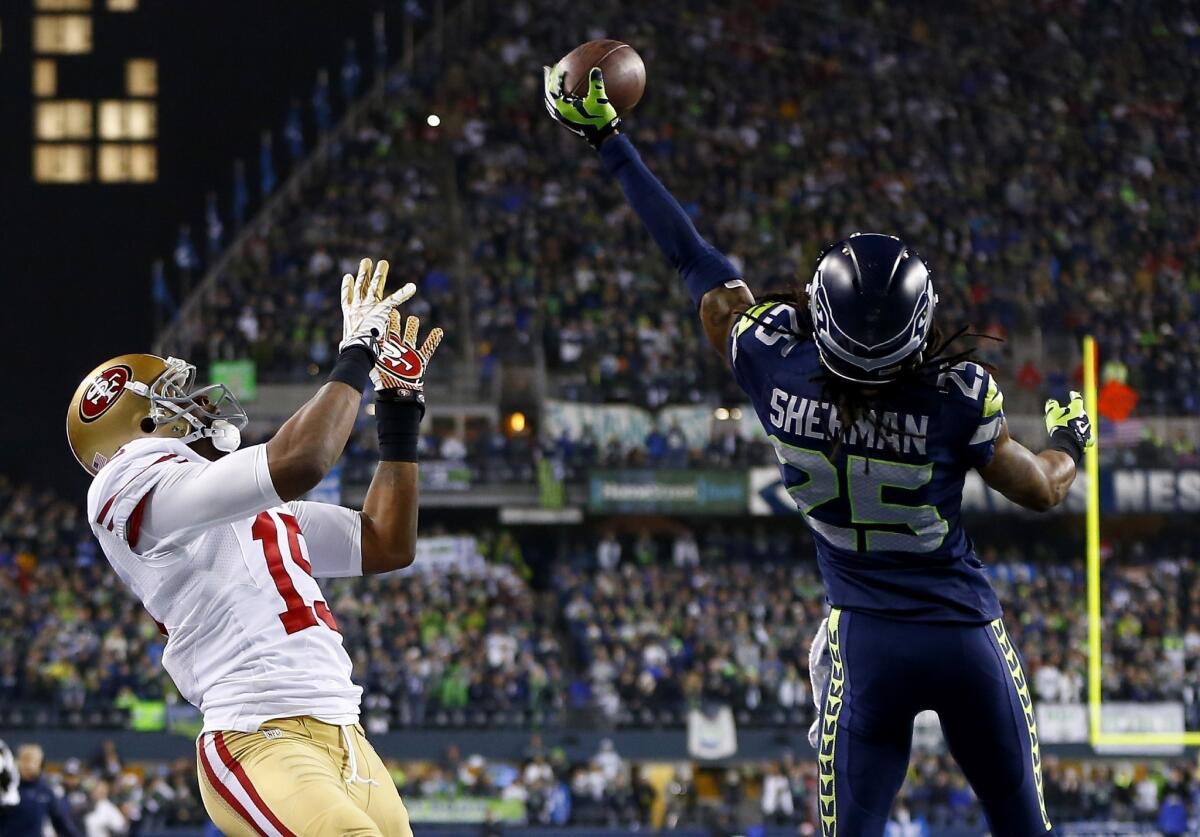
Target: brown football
624,72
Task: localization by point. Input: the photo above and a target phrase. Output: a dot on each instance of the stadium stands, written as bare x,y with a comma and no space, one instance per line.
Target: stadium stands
623,642
606,790
1049,199
1055,197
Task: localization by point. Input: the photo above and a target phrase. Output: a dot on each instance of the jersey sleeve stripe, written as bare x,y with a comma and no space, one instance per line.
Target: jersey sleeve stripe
247,785
226,794
986,432
109,502
993,401
133,529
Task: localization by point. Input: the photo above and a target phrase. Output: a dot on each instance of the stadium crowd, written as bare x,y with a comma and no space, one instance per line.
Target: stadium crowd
1049,183
617,640
485,454
101,794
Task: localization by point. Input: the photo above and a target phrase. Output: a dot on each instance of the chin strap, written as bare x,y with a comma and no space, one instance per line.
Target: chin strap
167,407
225,436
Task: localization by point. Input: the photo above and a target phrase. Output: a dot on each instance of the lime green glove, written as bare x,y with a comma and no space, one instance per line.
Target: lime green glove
592,117
1069,427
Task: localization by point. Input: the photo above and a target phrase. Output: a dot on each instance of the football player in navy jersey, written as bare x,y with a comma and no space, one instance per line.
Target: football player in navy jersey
875,419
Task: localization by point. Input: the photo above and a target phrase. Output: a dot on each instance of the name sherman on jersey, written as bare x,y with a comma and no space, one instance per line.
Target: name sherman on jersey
818,421
882,497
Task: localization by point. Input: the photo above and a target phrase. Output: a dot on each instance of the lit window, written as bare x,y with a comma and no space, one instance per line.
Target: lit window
66,119
141,77
62,5
127,163
62,163
64,34
122,5
45,77
127,120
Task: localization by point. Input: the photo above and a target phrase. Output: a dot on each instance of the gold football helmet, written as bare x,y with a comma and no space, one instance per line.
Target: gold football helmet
139,396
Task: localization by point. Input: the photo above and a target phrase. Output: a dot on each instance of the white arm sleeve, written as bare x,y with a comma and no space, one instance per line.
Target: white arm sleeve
333,535
194,496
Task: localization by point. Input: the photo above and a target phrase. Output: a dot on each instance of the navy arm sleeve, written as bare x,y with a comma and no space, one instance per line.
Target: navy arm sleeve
701,266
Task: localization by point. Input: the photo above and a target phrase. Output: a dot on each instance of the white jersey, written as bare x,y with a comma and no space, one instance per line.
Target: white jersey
227,570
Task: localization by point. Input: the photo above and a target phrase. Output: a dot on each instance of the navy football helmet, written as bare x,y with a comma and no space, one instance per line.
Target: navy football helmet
871,302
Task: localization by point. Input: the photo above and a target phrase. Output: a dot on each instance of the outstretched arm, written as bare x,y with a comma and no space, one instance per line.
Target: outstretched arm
715,285
389,515
181,499
1040,482
1036,481
310,442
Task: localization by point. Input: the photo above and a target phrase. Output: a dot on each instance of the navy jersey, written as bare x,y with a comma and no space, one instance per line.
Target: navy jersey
884,502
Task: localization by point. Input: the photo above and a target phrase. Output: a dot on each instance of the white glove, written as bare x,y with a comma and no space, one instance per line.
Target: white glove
820,666
364,310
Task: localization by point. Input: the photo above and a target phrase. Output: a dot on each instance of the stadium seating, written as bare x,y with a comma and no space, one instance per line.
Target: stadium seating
1048,199
448,650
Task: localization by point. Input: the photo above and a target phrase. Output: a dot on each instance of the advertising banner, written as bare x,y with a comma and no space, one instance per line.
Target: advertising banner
448,553
442,475
465,810
1125,491
667,492
241,376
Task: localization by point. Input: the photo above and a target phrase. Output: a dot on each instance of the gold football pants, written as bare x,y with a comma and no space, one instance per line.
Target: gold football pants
298,777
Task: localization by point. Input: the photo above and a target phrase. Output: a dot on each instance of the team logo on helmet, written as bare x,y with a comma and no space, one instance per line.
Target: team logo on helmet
103,392
399,359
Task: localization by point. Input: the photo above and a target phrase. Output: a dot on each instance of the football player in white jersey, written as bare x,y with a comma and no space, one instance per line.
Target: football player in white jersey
224,554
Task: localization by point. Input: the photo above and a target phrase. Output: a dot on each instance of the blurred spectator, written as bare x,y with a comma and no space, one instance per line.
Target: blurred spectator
40,805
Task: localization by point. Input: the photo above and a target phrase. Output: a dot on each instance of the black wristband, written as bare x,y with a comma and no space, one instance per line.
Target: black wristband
1068,444
399,426
353,367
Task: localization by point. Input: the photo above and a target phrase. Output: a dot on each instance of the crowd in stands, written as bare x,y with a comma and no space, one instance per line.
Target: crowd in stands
485,454
1044,163
449,648
740,633
619,639
101,794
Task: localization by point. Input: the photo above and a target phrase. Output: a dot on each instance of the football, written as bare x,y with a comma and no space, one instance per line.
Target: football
624,72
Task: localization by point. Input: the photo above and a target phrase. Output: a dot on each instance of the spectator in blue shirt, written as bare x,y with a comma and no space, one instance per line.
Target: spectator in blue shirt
38,802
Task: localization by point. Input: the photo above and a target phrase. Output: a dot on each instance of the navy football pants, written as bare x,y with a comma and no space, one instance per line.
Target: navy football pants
884,673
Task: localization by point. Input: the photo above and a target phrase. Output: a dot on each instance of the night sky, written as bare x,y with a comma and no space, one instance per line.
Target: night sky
75,261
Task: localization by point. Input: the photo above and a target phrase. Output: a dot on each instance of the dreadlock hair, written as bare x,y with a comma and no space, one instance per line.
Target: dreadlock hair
854,402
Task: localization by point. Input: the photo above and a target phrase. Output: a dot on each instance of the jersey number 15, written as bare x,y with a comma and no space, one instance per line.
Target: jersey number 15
298,615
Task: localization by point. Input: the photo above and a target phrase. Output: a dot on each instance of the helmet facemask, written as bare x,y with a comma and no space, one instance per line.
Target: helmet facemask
172,398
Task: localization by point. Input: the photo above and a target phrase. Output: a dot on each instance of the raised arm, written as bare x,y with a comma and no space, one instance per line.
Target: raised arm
715,285
1041,481
389,515
310,442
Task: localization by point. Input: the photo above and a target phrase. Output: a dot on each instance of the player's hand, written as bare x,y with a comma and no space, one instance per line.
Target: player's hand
820,667
399,372
592,117
1069,426
364,309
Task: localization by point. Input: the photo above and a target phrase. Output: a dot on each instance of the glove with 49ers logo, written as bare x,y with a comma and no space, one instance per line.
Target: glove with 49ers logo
399,372
399,378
